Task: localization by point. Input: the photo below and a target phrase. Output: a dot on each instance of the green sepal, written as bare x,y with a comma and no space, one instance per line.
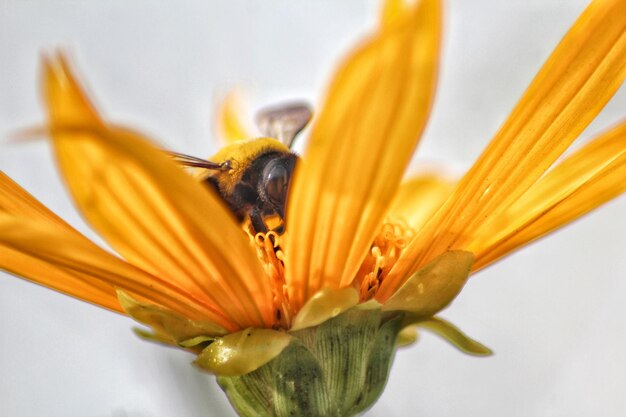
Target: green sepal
167,326
242,352
286,386
338,368
455,336
324,305
433,287
380,359
197,341
407,336
153,337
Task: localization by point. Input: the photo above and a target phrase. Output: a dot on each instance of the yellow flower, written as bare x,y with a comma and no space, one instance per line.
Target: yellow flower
355,234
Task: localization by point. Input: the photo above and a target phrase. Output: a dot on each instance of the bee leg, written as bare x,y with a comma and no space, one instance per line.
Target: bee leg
257,221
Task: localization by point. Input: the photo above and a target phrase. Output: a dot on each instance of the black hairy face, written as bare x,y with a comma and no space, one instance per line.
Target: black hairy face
262,190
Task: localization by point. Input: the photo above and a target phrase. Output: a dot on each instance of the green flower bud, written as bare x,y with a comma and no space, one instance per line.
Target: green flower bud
338,368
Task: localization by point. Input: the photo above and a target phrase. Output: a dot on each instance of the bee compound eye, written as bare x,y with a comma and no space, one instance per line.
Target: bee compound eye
276,185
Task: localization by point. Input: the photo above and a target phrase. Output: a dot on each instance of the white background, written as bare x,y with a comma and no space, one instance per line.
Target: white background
554,313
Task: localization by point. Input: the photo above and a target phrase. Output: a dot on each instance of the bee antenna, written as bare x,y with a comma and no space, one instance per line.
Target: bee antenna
192,161
226,166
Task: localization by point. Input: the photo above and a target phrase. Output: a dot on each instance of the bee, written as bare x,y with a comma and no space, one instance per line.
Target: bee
252,176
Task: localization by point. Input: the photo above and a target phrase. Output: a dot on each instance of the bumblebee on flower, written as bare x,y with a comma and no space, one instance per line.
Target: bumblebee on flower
324,304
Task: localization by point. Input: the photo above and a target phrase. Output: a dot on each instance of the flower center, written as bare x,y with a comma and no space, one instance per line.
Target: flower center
272,257
384,252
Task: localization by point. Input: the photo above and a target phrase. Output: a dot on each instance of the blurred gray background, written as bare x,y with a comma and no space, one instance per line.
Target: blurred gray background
554,313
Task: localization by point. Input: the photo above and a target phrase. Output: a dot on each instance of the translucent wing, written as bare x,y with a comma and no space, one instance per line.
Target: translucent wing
285,121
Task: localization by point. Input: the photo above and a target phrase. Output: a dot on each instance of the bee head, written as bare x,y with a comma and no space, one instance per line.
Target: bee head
274,184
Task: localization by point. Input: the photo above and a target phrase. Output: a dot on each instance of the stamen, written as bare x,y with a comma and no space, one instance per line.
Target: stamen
385,251
270,253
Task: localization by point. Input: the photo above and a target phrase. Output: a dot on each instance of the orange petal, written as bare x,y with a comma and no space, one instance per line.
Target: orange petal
73,255
419,198
376,109
574,84
230,121
17,201
14,200
392,11
150,211
53,276
587,179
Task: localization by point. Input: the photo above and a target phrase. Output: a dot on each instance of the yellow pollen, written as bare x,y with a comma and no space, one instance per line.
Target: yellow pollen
270,253
383,254
385,251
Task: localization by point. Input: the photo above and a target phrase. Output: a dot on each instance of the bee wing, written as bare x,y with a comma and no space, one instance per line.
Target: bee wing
192,161
284,122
